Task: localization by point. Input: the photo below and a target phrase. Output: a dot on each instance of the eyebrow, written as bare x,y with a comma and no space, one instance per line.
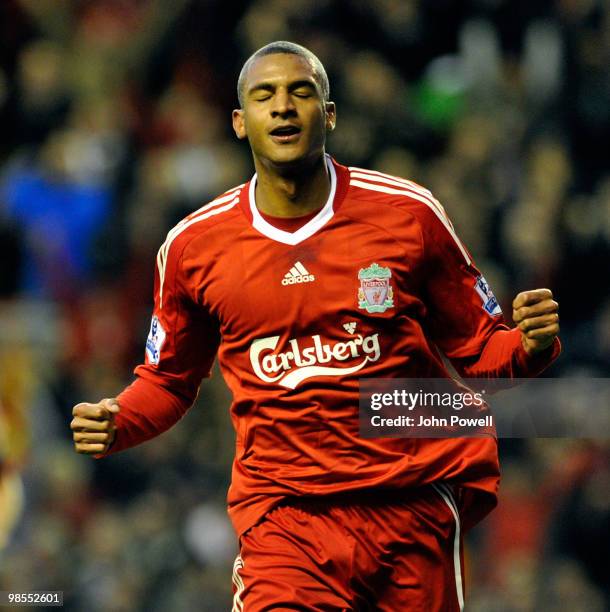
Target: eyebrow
291,87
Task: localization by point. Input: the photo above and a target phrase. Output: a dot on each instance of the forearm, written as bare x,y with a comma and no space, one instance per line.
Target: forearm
146,410
503,356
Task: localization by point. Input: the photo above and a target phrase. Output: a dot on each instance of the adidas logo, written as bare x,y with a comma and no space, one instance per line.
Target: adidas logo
297,274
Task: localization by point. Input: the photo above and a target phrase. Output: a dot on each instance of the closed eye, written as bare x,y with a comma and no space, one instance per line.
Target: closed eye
302,89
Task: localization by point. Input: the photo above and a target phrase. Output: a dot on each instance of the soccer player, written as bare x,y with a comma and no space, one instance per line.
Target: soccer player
302,280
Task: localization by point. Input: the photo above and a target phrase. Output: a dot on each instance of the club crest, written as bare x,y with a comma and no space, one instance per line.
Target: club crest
375,293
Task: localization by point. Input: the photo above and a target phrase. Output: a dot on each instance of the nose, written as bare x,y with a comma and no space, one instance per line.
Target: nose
283,105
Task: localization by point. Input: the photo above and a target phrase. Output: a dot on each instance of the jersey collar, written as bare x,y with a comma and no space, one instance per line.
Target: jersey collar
312,226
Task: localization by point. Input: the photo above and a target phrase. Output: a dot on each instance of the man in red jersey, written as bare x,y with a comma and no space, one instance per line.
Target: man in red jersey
303,280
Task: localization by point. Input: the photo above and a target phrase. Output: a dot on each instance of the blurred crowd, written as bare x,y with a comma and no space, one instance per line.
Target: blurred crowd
115,117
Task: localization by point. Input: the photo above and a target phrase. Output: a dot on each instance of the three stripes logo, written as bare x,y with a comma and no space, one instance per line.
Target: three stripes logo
297,274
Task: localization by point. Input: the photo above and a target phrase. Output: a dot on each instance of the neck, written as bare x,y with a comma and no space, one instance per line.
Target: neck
292,193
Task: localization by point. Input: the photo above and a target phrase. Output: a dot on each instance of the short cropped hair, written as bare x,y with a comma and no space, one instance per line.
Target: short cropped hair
290,48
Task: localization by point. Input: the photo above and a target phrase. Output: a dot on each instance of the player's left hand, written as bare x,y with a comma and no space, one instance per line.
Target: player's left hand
536,314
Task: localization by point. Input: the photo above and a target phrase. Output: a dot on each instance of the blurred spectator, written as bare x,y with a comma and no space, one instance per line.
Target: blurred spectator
59,204
42,95
14,433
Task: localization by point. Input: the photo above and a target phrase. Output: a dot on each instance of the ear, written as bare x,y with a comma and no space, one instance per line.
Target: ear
239,125
331,116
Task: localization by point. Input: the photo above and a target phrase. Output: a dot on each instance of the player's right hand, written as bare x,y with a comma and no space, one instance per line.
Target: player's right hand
93,427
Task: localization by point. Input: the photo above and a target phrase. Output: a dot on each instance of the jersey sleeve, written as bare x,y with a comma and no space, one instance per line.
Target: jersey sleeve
461,309
183,338
504,357
180,350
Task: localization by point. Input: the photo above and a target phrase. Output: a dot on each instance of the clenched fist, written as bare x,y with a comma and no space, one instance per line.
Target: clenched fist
93,427
536,314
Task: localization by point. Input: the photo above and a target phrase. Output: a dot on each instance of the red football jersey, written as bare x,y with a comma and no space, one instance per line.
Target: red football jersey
369,286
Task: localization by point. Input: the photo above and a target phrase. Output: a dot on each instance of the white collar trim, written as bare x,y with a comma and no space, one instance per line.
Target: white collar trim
309,229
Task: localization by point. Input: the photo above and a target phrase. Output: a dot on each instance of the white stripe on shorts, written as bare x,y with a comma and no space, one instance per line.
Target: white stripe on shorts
238,604
445,492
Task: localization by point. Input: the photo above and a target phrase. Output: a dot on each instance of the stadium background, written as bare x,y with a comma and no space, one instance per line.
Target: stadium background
114,117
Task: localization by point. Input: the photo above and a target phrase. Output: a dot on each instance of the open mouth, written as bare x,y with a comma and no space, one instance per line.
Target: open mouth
285,133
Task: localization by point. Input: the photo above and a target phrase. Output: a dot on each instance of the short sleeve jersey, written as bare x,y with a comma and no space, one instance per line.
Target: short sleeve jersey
372,286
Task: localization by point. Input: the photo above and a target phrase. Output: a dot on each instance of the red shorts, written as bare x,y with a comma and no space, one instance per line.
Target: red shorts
397,552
